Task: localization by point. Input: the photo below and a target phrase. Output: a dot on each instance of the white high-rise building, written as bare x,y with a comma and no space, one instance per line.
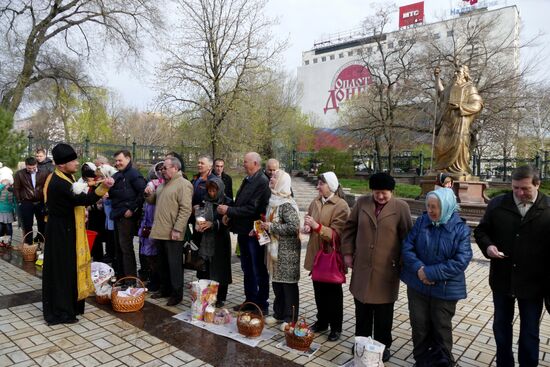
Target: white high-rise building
333,71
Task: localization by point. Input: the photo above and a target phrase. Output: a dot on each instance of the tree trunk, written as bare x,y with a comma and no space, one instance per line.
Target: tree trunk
378,155
390,158
214,139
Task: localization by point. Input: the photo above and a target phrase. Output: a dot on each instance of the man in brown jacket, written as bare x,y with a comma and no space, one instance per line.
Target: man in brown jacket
371,245
28,187
173,209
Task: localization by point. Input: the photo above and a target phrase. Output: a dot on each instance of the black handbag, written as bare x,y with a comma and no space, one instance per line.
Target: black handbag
193,261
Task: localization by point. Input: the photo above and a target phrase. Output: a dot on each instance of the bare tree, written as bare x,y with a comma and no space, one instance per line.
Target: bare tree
41,39
384,112
536,118
144,128
219,49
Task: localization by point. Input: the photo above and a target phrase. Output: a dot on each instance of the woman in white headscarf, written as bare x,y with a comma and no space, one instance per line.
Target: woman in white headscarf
283,255
326,216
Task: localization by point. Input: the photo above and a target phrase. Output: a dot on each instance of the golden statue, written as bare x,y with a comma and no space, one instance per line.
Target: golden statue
459,105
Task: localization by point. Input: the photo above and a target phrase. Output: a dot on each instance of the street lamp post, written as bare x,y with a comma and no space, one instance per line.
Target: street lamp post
30,137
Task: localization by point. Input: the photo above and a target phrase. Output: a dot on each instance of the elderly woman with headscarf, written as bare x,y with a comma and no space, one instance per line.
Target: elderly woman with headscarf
435,256
325,218
215,245
283,253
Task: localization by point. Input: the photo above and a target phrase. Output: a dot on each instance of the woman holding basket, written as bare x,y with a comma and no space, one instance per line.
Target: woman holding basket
325,220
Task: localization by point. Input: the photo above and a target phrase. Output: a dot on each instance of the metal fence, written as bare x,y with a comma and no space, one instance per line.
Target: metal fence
487,168
500,168
141,154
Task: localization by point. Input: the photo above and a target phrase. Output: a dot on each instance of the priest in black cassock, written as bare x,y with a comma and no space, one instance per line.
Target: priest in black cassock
66,275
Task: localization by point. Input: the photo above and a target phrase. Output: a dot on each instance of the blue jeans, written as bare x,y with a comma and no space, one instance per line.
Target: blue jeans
530,311
256,278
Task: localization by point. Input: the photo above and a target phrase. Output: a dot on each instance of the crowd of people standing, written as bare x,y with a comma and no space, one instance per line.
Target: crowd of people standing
376,238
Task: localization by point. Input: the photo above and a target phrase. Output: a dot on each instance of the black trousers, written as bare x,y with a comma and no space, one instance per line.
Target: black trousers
171,267
222,292
329,299
29,211
286,296
6,229
110,248
379,316
432,328
125,229
530,311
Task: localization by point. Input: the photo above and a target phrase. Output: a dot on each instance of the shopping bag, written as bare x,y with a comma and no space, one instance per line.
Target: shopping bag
101,275
368,352
204,292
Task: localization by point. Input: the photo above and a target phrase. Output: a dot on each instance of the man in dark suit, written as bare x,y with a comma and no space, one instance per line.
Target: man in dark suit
250,203
514,235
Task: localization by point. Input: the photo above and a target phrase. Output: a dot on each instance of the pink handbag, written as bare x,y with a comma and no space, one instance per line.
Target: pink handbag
328,266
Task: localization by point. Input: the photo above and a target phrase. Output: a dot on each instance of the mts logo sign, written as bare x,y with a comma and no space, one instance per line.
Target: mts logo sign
411,14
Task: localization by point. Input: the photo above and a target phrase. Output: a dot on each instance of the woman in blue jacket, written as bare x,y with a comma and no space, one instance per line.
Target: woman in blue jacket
435,255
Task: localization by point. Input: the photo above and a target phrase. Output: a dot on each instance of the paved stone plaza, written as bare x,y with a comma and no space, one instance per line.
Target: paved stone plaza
152,337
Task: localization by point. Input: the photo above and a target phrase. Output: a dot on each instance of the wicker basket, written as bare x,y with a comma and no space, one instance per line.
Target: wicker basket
127,304
250,331
103,300
301,343
29,251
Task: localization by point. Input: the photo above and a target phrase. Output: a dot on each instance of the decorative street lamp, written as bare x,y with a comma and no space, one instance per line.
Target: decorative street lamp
30,137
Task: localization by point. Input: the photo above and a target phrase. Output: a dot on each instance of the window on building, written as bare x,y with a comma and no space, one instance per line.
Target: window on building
323,59
390,44
369,50
401,43
350,53
358,52
436,36
450,33
315,60
341,55
332,57
306,62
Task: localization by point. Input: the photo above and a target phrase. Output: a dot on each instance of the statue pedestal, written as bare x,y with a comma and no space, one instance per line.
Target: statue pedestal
471,191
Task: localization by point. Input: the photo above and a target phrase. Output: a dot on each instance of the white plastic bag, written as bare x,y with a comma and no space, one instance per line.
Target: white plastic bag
203,293
368,352
101,275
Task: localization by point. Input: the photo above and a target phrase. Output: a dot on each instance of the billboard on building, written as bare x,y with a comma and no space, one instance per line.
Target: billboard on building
349,81
411,14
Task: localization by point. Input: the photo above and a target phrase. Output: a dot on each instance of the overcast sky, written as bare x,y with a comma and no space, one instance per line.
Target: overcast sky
305,21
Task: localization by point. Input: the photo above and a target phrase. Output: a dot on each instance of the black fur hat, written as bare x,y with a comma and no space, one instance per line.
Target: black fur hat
381,181
63,153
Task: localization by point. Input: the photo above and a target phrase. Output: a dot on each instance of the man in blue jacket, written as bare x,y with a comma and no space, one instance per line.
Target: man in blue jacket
514,235
127,202
250,203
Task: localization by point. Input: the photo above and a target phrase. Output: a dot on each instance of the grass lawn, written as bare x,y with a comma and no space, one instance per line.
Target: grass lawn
361,186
